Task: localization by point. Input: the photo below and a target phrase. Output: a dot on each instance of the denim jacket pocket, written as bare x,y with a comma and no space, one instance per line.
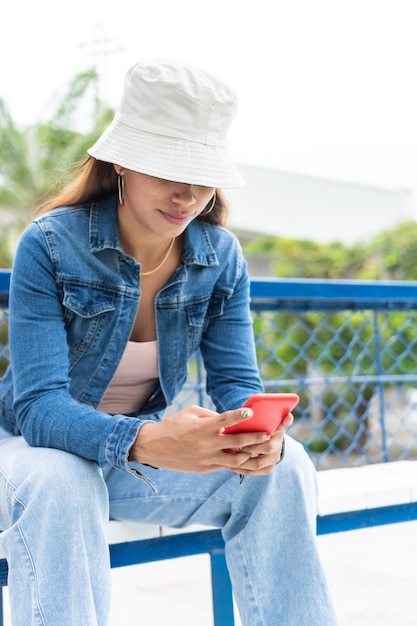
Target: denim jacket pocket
200,312
85,309
86,300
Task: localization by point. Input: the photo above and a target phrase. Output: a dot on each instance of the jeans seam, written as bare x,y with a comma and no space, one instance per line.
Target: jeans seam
249,584
37,607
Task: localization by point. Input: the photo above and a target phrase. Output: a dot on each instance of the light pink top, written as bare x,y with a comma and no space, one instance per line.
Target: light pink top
135,379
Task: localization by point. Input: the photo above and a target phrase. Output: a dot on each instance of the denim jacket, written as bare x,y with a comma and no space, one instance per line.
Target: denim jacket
74,295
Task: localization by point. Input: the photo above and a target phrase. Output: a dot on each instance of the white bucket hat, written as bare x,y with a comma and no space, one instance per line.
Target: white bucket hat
172,123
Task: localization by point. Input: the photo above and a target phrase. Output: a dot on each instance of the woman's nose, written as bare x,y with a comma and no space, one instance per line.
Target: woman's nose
184,196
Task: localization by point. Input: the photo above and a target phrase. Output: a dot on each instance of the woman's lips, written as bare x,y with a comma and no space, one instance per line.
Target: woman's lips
177,220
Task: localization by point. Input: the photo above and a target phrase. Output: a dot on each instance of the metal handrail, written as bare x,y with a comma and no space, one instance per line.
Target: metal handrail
348,347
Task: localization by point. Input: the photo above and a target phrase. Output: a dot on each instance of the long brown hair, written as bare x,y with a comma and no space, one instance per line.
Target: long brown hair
92,179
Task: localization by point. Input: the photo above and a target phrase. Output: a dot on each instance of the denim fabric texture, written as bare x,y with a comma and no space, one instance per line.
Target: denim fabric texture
73,300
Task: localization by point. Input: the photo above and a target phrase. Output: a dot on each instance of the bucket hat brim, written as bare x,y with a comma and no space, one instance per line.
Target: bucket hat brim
169,158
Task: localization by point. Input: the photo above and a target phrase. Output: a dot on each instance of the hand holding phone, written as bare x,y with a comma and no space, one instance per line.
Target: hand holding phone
269,409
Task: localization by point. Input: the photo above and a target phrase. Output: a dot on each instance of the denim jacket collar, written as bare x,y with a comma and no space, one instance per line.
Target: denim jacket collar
104,228
104,233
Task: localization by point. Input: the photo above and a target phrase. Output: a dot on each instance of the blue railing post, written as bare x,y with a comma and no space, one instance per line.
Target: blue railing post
380,372
3,582
221,590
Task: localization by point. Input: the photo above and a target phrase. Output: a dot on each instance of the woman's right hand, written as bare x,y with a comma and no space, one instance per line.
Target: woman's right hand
192,440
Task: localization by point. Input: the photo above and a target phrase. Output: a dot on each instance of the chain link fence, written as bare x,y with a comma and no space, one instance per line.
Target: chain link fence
348,348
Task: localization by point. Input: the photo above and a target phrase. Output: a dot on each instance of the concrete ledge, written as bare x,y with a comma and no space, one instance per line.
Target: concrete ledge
367,487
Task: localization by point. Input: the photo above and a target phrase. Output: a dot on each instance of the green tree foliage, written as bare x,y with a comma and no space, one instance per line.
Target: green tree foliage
339,343
392,254
34,159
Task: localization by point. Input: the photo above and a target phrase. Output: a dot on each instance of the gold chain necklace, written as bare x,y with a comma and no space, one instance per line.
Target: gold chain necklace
171,245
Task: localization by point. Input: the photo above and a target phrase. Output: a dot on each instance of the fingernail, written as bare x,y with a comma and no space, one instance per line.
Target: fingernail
266,437
247,413
221,430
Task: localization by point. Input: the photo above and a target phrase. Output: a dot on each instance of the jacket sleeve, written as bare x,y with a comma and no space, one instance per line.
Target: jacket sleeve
46,413
228,347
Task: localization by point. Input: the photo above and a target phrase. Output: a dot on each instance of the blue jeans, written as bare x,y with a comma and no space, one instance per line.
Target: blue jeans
54,508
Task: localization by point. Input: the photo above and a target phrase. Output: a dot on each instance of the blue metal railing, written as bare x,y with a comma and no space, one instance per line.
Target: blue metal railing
348,348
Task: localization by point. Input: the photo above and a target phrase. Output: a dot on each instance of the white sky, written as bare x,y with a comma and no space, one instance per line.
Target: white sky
326,87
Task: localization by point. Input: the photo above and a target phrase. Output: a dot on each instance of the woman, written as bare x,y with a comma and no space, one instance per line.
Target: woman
120,279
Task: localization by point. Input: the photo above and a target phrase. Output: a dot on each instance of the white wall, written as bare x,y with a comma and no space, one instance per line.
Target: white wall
305,207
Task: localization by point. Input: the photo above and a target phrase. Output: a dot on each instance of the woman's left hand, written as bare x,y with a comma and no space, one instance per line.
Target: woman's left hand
264,456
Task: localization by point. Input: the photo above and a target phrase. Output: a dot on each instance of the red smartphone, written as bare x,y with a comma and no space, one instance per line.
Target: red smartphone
269,409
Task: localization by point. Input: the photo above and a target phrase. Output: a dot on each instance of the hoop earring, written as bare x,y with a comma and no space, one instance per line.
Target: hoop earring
213,202
121,189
